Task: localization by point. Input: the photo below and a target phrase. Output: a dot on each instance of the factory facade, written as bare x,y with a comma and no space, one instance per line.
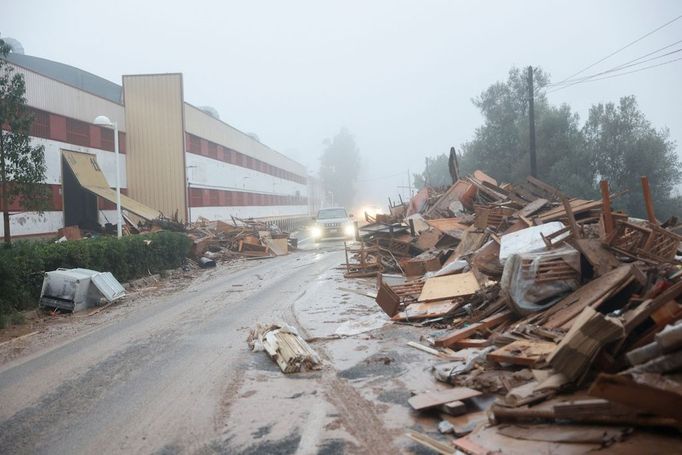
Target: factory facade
176,160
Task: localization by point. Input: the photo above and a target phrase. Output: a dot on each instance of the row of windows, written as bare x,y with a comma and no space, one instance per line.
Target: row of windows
66,129
210,149
202,197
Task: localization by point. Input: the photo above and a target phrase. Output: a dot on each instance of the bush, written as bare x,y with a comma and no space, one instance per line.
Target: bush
23,264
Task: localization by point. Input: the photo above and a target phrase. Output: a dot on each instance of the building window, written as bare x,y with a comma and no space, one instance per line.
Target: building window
77,132
194,144
213,150
107,138
41,124
195,194
214,198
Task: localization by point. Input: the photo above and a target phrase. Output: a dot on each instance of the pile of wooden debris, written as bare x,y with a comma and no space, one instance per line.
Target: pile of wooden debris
561,314
214,240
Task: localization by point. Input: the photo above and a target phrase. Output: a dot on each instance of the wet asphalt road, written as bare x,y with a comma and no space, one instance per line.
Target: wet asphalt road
165,377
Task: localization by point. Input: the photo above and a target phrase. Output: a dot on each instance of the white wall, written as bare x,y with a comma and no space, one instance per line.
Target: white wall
33,223
224,213
200,124
204,172
59,98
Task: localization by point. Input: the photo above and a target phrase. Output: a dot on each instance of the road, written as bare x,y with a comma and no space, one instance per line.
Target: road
171,371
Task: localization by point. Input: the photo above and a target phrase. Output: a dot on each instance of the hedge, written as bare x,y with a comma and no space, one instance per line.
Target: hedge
23,264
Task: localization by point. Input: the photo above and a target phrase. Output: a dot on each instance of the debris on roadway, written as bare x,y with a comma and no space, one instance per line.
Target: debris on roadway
554,323
241,238
285,347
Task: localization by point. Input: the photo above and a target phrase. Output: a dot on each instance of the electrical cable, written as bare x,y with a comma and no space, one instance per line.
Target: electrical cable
615,75
621,49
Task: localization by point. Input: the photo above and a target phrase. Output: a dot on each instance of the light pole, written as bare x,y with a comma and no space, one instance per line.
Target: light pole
103,120
189,196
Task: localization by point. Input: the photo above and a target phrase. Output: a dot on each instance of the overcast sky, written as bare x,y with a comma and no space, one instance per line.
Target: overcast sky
399,75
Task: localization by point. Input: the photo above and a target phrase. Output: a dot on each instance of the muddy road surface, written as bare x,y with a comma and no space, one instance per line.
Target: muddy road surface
170,371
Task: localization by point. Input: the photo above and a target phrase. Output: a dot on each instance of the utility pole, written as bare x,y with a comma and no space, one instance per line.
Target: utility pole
531,121
409,183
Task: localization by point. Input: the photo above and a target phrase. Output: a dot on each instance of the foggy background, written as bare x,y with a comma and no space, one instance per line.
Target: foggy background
400,75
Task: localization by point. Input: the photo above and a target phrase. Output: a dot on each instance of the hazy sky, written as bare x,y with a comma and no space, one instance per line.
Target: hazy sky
400,75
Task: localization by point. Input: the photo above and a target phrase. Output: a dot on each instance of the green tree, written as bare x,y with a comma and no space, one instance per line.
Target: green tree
435,173
500,146
339,167
22,165
624,146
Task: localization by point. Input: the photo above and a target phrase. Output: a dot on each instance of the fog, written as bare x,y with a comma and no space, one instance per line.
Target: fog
399,75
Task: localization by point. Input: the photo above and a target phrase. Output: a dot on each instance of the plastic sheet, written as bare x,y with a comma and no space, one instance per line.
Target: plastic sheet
527,292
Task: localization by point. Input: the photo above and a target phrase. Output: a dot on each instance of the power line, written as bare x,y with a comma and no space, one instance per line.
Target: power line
627,64
617,68
615,75
621,49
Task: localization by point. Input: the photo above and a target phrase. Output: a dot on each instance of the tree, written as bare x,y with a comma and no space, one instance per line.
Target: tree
22,165
339,167
435,173
623,147
500,146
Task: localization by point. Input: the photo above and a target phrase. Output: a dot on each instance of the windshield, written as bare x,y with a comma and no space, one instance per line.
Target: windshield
328,214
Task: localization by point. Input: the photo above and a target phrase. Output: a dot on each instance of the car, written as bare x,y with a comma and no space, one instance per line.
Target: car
333,222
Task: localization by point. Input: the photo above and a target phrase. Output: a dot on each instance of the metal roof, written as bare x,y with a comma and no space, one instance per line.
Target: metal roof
69,75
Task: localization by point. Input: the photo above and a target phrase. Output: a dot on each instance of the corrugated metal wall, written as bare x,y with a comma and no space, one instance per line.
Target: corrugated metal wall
56,97
155,141
199,123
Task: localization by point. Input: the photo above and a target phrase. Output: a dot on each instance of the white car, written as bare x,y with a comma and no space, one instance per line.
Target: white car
333,222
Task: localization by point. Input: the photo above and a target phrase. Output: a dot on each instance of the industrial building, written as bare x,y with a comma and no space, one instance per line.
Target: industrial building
175,159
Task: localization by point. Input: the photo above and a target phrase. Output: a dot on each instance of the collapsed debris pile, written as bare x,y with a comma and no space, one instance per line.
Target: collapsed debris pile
562,311
214,240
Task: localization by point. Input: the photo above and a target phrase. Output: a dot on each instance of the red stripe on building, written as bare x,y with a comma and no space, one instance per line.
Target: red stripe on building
204,147
205,197
66,129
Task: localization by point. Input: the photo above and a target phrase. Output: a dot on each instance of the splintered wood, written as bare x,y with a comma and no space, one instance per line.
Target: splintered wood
569,312
285,347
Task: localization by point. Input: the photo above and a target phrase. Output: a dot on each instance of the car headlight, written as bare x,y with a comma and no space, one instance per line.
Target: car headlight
316,232
349,230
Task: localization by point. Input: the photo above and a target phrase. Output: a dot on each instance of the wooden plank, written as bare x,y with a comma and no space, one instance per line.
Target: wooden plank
444,287
646,308
523,352
421,347
600,258
649,392
435,398
591,294
587,407
532,208
466,332
469,447
648,201
472,343
388,300
575,230
606,210
431,443
426,310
